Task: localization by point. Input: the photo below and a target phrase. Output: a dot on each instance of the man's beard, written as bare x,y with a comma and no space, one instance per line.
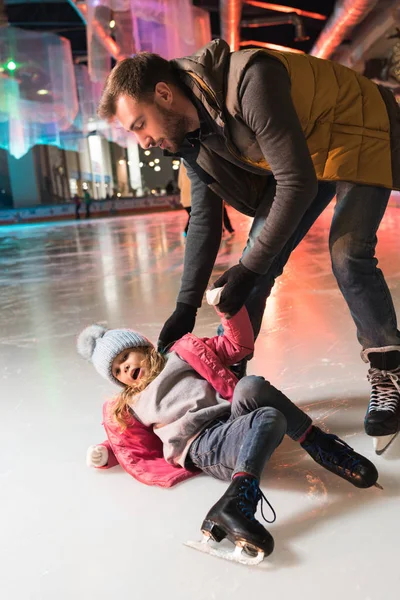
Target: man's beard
175,128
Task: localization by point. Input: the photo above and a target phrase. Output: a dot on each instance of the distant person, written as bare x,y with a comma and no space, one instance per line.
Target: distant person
184,186
227,225
77,202
88,203
170,188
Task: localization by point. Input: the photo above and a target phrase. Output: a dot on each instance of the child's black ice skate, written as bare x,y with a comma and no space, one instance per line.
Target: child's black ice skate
232,517
336,456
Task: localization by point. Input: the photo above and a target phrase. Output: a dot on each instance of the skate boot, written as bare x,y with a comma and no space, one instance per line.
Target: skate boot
336,456
382,420
232,517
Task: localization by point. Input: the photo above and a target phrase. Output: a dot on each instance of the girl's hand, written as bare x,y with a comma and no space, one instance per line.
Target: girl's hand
96,456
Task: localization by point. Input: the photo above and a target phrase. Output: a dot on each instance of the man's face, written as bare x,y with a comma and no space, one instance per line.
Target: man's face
154,123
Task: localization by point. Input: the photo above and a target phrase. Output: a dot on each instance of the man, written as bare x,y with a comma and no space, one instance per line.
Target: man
320,129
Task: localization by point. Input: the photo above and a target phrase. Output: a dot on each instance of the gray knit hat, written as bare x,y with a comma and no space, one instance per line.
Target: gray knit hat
101,346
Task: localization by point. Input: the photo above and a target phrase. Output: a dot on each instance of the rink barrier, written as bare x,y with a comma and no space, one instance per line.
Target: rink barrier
98,208
102,208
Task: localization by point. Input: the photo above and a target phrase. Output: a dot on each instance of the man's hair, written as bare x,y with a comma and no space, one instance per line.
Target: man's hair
136,77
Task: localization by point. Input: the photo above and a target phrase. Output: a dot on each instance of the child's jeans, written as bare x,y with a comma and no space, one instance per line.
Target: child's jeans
260,417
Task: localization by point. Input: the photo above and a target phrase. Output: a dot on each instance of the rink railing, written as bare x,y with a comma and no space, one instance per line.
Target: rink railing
104,208
98,208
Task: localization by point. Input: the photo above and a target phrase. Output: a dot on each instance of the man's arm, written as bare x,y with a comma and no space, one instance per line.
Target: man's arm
267,108
202,242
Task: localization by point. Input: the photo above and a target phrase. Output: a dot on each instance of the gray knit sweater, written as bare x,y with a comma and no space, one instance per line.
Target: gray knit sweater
178,404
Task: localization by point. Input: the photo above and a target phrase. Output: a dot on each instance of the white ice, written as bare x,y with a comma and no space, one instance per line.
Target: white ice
68,532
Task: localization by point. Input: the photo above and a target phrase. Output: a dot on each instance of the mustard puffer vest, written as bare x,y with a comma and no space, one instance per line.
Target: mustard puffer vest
352,125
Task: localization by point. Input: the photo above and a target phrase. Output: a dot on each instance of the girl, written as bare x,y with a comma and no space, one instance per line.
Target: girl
185,411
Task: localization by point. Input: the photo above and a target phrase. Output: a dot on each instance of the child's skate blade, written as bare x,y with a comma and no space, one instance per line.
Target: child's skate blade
238,555
382,442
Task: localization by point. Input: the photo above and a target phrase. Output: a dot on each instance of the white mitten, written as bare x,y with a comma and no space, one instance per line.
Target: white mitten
214,296
96,456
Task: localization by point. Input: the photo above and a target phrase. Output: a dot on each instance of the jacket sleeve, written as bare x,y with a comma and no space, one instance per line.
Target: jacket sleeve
140,453
112,459
202,242
237,342
268,109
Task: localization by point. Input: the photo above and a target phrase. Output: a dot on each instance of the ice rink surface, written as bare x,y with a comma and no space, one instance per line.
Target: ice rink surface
73,533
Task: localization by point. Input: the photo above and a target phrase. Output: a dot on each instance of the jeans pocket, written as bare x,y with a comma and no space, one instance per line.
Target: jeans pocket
218,472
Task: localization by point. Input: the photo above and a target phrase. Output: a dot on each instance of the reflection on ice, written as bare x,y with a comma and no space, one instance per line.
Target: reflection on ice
78,533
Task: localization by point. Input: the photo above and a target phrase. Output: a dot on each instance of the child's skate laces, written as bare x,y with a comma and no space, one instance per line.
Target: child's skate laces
342,458
250,494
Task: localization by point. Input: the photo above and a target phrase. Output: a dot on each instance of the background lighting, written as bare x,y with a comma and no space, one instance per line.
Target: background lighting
11,65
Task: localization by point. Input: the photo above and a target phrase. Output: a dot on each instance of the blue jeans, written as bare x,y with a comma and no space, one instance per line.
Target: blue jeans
352,241
260,417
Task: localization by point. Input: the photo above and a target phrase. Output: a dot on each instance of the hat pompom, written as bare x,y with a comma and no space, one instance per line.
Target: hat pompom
86,342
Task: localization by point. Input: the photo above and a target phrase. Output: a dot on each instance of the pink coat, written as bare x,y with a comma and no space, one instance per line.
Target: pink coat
137,449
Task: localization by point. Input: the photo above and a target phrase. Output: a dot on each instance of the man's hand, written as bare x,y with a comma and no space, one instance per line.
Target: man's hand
96,456
238,281
180,322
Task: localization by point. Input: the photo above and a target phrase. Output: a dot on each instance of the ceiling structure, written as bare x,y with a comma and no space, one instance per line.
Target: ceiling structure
360,33
61,17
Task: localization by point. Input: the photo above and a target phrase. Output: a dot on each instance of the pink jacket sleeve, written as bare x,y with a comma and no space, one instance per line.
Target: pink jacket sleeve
140,453
237,341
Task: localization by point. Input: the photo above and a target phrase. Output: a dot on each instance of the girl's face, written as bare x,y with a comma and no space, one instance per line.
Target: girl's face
129,366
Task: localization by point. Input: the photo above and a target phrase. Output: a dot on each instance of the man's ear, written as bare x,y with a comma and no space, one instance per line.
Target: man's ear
163,92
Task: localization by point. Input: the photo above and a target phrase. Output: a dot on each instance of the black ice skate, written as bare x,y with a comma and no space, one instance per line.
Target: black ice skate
336,456
232,517
382,420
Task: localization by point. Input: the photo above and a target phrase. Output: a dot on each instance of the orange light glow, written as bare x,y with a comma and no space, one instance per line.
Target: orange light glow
286,9
271,46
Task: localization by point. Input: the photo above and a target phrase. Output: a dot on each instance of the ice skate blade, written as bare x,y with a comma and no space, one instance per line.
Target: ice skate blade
237,555
382,442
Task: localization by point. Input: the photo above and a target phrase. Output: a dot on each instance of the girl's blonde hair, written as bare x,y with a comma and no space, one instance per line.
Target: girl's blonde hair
155,362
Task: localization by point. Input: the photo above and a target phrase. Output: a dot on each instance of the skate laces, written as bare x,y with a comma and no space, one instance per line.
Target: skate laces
385,389
338,455
250,494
